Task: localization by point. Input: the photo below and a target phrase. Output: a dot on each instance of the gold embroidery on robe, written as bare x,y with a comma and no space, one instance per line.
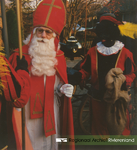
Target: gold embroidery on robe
49,117
37,112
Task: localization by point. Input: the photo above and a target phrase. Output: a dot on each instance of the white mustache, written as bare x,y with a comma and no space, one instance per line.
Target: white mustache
42,40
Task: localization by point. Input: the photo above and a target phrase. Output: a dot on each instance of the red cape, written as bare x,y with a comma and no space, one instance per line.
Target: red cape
66,110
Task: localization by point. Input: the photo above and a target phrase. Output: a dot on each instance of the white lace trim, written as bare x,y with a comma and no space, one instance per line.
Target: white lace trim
109,50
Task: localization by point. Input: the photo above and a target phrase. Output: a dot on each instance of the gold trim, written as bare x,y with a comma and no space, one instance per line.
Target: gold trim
15,100
53,5
5,147
50,9
51,122
53,29
118,57
59,55
37,112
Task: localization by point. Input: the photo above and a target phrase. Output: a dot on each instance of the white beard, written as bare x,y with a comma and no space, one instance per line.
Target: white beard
43,56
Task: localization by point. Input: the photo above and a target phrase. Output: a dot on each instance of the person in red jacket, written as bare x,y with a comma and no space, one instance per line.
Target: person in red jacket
14,92
49,110
109,52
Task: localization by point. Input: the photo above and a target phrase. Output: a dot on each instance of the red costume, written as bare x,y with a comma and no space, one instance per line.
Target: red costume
66,111
99,125
106,55
16,91
50,14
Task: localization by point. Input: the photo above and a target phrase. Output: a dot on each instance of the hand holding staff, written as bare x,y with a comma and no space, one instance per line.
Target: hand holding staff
20,54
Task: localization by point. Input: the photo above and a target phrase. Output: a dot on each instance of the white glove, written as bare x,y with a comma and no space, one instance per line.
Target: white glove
67,89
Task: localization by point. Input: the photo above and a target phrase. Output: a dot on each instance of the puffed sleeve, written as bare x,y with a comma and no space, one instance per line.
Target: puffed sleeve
129,71
16,86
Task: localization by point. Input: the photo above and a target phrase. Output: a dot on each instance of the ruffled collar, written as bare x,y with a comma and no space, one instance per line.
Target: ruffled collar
109,50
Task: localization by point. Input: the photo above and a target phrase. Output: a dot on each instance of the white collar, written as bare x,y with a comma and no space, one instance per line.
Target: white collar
109,50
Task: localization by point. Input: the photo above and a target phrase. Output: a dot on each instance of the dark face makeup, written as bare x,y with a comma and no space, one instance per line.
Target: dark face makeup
107,32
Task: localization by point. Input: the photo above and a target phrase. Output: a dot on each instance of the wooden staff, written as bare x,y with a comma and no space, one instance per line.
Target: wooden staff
20,54
19,28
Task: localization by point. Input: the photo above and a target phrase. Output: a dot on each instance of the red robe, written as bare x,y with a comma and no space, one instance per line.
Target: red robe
66,110
9,99
99,126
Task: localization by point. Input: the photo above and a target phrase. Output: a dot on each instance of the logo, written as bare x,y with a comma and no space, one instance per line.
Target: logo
61,139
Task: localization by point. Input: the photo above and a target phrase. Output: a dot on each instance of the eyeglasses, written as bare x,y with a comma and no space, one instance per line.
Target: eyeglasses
40,31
